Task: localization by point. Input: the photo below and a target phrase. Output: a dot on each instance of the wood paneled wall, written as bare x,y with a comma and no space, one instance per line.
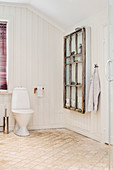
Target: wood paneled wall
93,124
35,59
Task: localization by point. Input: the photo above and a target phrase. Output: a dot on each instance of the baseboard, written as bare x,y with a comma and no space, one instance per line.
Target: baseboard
45,127
85,133
40,127
75,129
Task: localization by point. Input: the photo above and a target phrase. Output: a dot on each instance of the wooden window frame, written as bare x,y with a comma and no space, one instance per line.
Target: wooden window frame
83,54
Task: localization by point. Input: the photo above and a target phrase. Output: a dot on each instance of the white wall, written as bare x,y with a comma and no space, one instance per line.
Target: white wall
110,56
35,58
93,124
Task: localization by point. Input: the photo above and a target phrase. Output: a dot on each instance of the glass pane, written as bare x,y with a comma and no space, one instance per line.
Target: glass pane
73,44
80,58
67,75
67,47
73,74
77,58
73,97
67,92
79,42
79,98
69,60
79,74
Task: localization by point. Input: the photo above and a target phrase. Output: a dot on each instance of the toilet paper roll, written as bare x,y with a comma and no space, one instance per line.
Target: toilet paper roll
40,91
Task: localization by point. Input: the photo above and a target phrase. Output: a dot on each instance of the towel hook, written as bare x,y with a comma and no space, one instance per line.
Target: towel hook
95,66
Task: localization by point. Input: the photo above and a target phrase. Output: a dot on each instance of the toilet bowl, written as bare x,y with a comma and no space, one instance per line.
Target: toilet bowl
21,111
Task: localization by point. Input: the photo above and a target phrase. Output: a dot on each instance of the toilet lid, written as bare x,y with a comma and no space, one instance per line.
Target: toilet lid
27,111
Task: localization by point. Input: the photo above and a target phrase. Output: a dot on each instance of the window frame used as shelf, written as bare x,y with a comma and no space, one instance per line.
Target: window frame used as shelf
83,54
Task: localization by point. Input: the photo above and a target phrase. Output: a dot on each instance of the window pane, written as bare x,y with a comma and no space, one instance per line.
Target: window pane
79,98
73,44
77,58
69,60
79,42
79,74
73,74
67,74
67,47
67,92
3,56
73,97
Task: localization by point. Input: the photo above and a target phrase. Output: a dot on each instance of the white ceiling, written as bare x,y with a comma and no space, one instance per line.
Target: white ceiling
65,13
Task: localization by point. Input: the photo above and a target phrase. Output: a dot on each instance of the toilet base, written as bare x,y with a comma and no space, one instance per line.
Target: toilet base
16,128
22,132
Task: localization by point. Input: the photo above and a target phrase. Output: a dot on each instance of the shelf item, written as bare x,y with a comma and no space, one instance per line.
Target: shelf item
67,96
67,75
72,104
72,39
79,42
74,70
79,75
67,44
79,98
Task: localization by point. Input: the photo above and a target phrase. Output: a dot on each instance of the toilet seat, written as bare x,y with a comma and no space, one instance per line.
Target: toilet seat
24,111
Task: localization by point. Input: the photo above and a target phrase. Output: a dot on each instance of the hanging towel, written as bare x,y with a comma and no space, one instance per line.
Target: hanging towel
94,91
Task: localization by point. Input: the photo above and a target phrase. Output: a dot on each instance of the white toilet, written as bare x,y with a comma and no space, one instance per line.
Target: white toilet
21,110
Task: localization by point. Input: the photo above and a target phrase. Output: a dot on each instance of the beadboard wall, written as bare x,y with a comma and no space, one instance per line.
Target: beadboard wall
35,59
93,125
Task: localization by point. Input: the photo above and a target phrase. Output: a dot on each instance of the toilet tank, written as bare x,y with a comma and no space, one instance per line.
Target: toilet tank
20,98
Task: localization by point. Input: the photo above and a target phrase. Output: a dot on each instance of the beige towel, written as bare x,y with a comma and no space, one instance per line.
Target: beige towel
94,91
